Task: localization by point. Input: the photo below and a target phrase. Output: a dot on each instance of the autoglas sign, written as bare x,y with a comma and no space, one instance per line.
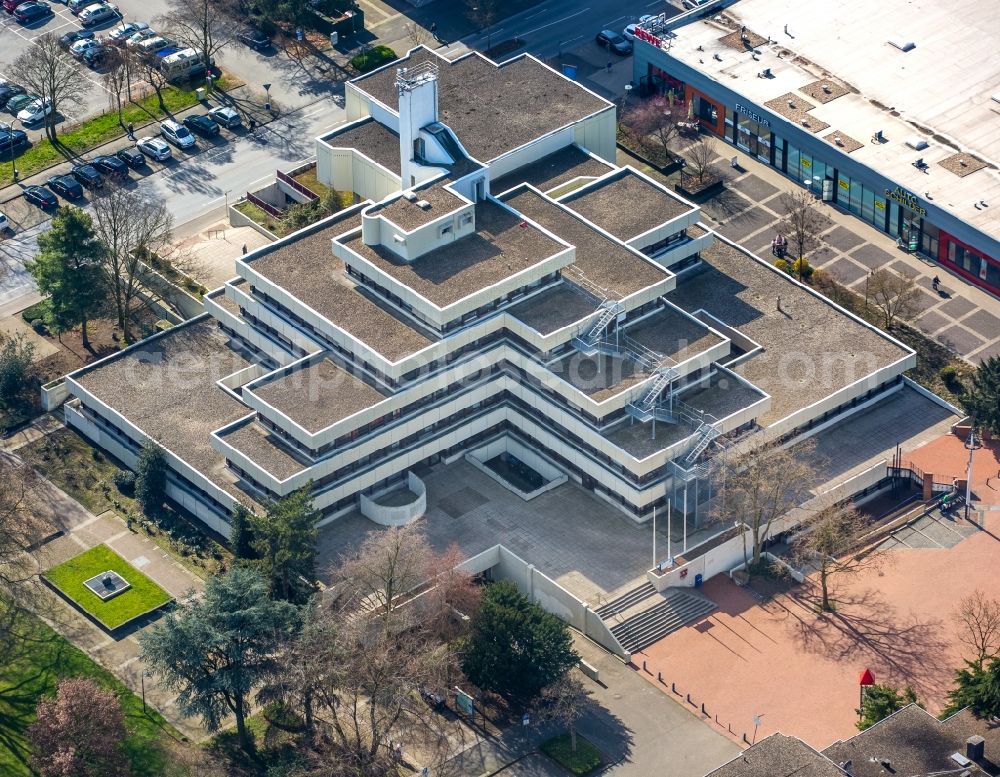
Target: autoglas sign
907,200
753,115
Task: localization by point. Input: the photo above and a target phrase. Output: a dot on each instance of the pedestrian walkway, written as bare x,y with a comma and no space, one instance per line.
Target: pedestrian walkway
961,316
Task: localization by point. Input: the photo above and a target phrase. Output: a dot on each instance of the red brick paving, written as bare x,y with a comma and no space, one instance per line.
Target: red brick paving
947,458
800,670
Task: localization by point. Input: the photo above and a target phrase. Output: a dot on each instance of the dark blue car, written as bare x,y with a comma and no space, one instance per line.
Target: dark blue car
65,185
40,196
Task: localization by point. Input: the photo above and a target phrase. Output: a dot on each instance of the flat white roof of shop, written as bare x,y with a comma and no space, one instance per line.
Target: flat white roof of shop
942,90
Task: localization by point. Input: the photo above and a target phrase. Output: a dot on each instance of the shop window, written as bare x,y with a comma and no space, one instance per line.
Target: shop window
856,191
793,162
868,205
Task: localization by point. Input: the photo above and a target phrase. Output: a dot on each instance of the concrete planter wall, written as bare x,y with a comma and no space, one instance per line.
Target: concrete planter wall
237,219
54,393
396,515
553,475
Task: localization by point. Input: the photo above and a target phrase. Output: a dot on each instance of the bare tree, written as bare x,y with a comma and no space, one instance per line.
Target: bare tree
146,67
131,227
117,78
802,223
655,120
564,703
48,71
415,34
893,293
759,485
829,543
484,14
203,25
978,621
698,162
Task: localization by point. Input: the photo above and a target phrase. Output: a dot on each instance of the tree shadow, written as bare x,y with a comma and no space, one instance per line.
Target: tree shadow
867,626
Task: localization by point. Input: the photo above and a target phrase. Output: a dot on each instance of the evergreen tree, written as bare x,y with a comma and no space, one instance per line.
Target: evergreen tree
241,533
881,701
284,541
977,687
68,270
516,648
151,478
983,398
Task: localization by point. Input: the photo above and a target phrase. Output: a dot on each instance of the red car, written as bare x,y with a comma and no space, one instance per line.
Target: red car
10,5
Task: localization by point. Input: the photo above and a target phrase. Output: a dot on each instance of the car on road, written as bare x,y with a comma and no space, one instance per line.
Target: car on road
125,31
154,148
73,36
88,175
13,142
614,42
18,101
80,47
29,13
254,38
5,224
9,90
66,186
40,196
98,13
34,112
225,116
131,157
137,37
111,166
202,125
177,134
629,32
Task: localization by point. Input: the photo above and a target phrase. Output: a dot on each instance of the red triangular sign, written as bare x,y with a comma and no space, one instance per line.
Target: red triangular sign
867,678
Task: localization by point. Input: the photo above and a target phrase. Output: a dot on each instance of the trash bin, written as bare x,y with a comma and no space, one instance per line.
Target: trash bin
200,93
697,581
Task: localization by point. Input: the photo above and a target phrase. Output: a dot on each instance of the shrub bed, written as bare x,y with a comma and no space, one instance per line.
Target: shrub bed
373,58
583,761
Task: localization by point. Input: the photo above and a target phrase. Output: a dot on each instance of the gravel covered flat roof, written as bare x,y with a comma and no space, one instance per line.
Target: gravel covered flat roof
605,262
307,269
409,215
554,308
318,395
493,109
601,376
165,386
501,246
374,140
553,170
626,205
810,348
258,444
672,334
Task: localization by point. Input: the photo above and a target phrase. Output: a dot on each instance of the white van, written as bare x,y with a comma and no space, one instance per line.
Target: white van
181,64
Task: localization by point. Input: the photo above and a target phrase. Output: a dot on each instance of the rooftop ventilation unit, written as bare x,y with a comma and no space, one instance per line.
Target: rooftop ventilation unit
916,142
423,205
902,44
410,196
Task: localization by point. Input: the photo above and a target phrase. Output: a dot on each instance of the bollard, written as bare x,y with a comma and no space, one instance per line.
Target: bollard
659,677
673,687
689,698
644,667
745,738
703,709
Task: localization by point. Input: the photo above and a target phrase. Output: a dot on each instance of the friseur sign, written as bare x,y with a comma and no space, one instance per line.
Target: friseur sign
907,200
751,114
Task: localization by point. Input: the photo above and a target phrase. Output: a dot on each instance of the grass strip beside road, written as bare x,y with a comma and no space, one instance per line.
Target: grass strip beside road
143,596
102,129
560,749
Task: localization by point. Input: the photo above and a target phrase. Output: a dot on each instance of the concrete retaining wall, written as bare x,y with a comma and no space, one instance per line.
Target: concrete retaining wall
506,444
54,393
396,515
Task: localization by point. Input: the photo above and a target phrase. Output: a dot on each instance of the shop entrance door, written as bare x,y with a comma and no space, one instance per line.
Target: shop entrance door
744,139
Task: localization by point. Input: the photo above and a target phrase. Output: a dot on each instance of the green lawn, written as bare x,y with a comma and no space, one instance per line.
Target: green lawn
143,596
31,671
584,760
101,129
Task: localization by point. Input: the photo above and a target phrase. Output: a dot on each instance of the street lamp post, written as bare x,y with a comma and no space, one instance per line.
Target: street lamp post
13,161
267,98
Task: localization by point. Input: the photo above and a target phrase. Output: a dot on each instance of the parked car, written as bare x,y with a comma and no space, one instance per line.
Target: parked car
80,47
98,13
225,116
614,42
13,142
254,38
131,157
66,186
137,37
72,37
154,148
111,166
34,112
694,3
96,57
29,13
5,224
75,6
125,31
10,5
18,101
152,45
40,196
629,32
177,134
9,90
202,125
88,176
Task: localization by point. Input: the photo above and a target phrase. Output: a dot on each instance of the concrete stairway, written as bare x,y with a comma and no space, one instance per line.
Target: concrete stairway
625,602
675,608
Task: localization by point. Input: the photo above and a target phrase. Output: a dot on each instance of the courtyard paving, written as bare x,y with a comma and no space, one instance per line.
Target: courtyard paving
947,458
799,670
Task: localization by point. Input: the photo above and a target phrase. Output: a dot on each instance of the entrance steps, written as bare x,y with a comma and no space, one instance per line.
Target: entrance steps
625,602
673,609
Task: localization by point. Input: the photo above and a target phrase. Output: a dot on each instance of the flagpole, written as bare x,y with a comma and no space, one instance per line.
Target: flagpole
654,536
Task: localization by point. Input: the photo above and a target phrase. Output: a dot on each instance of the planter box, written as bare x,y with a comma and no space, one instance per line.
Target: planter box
701,192
667,169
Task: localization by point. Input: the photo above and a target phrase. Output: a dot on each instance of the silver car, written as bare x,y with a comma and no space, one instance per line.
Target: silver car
154,148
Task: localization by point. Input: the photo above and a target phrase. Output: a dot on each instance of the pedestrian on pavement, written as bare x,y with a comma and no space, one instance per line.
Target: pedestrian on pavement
244,249
131,131
434,30
609,65
935,283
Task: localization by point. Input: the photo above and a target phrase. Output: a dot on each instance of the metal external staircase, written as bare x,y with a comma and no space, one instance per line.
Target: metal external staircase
649,406
706,433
